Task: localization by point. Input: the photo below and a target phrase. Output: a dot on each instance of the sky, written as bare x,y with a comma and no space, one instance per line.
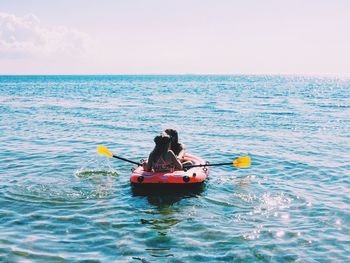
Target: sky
175,37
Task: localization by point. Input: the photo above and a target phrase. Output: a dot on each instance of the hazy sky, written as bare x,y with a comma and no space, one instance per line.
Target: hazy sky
175,37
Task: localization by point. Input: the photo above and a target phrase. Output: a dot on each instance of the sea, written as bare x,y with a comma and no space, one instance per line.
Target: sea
62,202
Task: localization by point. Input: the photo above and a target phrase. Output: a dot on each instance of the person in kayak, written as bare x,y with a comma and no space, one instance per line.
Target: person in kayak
162,158
176,147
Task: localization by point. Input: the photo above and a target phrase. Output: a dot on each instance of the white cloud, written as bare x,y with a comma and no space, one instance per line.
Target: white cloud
27,37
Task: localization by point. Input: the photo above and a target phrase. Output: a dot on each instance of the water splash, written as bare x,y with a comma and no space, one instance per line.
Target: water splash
96,167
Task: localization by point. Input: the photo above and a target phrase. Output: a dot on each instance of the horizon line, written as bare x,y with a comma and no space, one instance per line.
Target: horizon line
188,74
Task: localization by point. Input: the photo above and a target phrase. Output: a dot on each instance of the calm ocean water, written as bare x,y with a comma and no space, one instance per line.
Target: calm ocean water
61,202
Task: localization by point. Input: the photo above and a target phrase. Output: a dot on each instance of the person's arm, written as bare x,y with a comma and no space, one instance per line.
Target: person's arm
145,165
149,163
178,164
181,154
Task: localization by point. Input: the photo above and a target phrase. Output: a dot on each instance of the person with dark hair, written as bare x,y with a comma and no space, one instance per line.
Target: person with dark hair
162,158
176,147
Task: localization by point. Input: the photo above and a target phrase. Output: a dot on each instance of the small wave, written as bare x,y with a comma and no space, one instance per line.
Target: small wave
281,113
84,188
334,106
40,193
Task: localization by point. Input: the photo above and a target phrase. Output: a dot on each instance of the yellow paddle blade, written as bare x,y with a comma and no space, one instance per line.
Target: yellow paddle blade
242,162
104,150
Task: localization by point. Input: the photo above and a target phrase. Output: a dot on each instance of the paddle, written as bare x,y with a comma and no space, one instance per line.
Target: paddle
104,151
240,162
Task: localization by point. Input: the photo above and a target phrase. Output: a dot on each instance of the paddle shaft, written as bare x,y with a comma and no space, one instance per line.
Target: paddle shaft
209,164
126,160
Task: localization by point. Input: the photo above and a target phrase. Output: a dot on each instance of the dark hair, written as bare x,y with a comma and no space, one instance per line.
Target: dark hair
175,145
162,142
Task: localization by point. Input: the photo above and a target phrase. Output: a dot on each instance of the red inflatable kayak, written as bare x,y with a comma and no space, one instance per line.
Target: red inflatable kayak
193,176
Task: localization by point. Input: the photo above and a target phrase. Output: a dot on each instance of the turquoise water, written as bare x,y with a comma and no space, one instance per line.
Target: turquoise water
61,202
